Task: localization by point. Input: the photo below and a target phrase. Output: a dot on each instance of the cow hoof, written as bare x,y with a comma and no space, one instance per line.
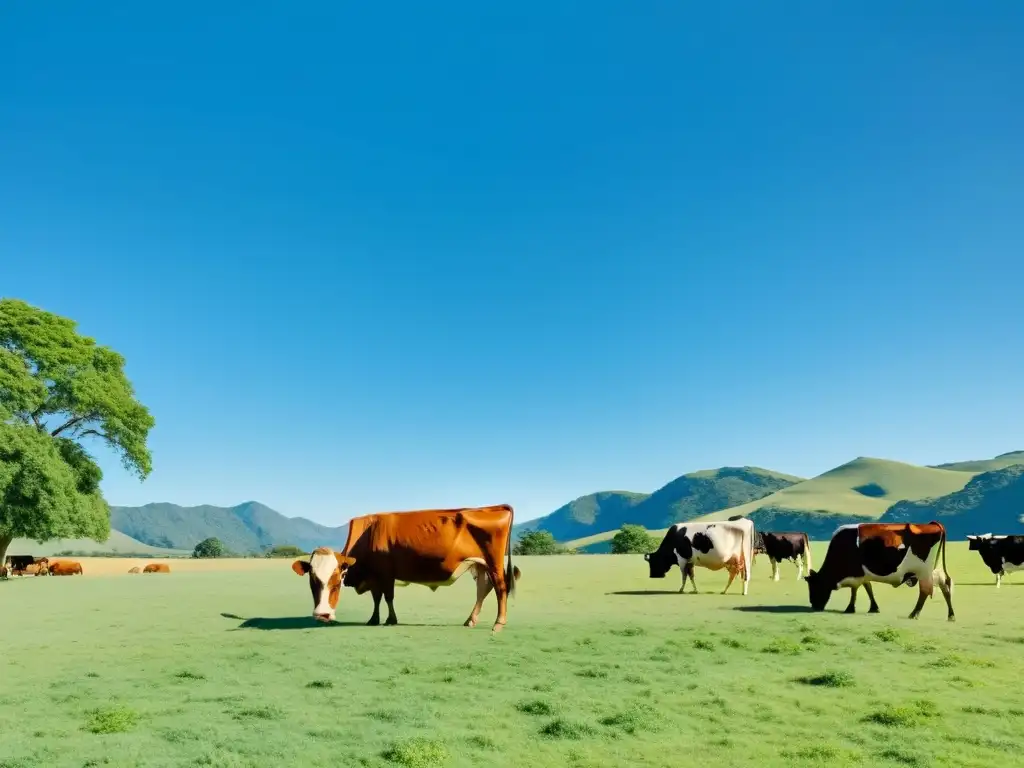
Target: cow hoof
373,622
391,621
873,609
497,628
952,618
851,609
913,616
470,623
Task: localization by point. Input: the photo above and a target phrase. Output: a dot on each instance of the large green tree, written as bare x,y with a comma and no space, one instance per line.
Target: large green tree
59,390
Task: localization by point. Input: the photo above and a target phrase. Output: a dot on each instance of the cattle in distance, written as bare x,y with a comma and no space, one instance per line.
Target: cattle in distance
432,547
727,544
1002,554
780,546
66,568
887,553
157,568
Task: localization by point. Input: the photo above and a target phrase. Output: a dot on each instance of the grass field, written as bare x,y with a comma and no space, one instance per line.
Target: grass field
599,666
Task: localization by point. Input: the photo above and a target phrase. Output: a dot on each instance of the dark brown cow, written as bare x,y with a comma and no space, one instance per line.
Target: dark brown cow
432,547
157,568
3,571
19,565
889,553
787,545
65,568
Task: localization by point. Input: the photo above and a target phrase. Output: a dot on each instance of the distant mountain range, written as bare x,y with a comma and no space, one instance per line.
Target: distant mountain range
247,527
968,497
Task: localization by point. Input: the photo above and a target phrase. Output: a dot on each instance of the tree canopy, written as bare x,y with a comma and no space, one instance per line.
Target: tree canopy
58,389
211,547
538,543
633,540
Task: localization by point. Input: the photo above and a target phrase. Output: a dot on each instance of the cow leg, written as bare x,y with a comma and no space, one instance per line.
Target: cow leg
926,588
375,618
852,607
389,598
688,574
871,597
946,587
799,567
483,589
732,577
999,580
775,568
497,578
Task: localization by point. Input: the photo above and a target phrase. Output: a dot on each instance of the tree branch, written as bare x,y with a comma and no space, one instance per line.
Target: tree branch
69,423
95,432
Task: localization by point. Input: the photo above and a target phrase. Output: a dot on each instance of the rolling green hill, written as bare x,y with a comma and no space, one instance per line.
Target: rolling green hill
863,489
247,527
1001,461
118,543
992,502
684,498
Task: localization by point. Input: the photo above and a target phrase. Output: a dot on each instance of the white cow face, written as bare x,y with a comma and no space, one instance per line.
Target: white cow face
326,570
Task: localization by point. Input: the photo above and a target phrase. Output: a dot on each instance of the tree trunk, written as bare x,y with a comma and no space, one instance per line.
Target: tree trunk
5,542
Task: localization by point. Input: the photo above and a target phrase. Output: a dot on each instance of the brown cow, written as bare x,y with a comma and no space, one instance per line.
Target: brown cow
157,568
136,569
432,547
65,568
3,571
889,553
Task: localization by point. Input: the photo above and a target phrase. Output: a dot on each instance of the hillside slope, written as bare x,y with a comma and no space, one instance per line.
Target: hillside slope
118,543
1001,461
247,527
992,502
686,497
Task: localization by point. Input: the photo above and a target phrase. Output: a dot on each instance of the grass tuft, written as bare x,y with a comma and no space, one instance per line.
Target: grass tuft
835,679
321,684
783,646
111,720
535,707
187,675
417,753
567,729
905,716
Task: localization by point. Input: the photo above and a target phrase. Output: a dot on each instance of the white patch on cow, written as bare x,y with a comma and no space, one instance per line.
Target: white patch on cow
847,527
800,566
464,566
911,564
776,569
323,568
1008,568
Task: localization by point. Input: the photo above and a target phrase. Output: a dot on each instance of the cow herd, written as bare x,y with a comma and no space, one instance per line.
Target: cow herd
435,547
24,565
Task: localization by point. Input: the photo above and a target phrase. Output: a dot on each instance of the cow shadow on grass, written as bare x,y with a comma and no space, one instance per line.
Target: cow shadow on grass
300,622
774,609
645,592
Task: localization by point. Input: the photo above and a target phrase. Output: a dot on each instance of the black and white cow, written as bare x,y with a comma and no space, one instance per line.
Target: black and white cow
726,544
1002,554
787,545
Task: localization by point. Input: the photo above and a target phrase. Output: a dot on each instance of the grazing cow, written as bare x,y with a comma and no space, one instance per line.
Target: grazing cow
787,545
727,544
19,565
3,571
65,568
157,568
1002,554
888,553
432,547
136,569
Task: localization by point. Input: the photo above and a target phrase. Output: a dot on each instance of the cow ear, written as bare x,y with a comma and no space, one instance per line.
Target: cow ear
301,567
344,561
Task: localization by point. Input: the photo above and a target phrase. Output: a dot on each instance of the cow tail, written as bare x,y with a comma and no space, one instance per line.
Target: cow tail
949,579
748,553
807,554
510,572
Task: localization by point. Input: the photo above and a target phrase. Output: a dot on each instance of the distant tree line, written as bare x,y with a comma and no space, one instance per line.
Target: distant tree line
628,540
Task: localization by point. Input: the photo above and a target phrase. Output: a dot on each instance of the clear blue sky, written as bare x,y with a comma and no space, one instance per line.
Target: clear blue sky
365,257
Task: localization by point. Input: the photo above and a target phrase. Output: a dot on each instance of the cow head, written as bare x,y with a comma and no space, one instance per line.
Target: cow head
326,570
978,543
659,564
818,590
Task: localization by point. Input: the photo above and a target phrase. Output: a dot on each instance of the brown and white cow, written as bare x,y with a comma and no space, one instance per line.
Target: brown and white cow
157,568
888,553
432,547
65,568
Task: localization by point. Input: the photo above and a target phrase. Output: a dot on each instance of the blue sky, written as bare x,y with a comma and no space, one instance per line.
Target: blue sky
365,257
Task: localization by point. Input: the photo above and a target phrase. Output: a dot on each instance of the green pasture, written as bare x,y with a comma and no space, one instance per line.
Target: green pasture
599,666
